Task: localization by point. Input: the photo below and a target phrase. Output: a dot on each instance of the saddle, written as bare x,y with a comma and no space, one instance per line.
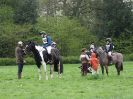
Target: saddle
53,56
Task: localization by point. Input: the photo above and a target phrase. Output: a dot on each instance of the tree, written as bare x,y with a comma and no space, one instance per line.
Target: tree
114,18
26,11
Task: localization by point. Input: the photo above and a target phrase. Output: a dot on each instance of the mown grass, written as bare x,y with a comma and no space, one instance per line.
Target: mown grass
71,86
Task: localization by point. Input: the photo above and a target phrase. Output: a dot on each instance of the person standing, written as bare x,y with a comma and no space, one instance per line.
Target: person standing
19,53
94,62
84,61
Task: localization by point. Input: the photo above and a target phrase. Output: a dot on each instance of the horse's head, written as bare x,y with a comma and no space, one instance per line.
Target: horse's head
30,46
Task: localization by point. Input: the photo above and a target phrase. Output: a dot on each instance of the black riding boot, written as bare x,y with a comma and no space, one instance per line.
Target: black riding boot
110,61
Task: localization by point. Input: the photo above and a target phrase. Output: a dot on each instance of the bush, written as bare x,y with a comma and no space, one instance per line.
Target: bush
7,61
71,60
31,61
131,57
12,61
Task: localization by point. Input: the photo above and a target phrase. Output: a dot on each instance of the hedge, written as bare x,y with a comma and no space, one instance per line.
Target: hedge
66,60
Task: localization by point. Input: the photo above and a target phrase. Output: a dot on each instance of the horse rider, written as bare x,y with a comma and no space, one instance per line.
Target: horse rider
47,42
19,53
92,47
109,48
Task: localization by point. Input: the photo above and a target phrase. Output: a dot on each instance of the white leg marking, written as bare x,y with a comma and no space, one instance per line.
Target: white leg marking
44,66
39,71
59,74
51,71
45,70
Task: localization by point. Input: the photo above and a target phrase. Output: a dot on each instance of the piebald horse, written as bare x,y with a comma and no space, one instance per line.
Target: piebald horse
117,59
41,58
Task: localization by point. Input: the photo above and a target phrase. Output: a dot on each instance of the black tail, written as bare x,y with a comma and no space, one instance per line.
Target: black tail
56,65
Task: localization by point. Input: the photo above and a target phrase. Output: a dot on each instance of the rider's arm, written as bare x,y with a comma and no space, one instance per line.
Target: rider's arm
49,40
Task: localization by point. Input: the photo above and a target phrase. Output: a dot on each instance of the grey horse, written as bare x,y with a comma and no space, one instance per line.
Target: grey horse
117,59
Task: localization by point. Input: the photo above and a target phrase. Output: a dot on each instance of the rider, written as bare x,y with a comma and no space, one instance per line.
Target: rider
92,47
46,41
47,44
109,48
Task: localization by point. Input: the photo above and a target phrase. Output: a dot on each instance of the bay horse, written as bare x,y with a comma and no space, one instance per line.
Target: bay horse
117,59
41,58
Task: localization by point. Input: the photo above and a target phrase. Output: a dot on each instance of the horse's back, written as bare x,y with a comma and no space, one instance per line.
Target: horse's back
118,57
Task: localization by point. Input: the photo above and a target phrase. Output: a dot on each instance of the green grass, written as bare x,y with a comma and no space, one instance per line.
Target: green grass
71,86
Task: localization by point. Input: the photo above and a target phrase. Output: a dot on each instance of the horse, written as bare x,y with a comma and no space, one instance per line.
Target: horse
117,59
41,58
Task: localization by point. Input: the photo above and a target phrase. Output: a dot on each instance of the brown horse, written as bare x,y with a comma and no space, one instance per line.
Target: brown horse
117,59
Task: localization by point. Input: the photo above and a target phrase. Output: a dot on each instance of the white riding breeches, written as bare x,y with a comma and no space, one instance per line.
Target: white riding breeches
110,53
49,49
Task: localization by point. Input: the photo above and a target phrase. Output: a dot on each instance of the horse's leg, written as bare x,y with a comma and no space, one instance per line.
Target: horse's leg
106,67
117,65
121,66
59,74
39,71
102,69
45,70
51,71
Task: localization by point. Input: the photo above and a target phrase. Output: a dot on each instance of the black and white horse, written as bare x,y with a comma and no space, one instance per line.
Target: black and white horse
41,58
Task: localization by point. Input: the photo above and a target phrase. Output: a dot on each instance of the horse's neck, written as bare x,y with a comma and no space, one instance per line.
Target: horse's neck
39,48
103,55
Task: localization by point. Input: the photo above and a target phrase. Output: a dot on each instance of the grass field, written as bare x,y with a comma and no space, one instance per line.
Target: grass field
71,86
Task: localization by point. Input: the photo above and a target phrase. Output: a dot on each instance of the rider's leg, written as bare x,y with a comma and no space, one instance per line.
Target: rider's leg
110,57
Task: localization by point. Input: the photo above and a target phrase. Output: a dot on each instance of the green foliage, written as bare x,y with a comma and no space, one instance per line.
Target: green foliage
10,35
71,60
11,3
6,13
131,57
12,61
31,61
111,18
26,11
7,61
69,34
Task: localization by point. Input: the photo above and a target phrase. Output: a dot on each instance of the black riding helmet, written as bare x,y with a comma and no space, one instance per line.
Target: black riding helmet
109,40
42,32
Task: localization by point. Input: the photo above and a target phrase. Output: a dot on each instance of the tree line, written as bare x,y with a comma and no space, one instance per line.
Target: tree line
73,24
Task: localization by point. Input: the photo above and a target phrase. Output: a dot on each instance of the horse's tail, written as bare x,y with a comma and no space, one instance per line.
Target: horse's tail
121,66
56,63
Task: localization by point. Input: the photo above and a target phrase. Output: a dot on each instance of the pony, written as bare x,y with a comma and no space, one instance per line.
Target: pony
41,57
117,59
